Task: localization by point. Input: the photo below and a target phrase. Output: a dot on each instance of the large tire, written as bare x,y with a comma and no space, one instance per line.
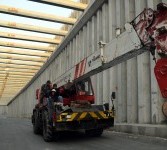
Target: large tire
47,128
94,132
36,123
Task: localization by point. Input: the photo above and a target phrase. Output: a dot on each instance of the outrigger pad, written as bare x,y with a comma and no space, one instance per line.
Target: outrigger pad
160,71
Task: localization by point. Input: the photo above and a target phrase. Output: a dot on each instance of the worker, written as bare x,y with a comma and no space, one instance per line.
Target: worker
55,86
56,92
45,91
60,94
48,88
53,95
50,103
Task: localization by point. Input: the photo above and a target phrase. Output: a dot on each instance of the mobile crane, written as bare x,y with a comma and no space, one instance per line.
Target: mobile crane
147,30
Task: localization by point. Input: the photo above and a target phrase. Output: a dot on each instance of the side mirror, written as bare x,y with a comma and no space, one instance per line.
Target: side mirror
113,95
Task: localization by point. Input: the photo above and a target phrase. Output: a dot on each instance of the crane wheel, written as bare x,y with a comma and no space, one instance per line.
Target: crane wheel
47,128
36,123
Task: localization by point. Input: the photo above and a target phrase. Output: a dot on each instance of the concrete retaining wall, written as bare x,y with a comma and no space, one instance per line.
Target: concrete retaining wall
3,110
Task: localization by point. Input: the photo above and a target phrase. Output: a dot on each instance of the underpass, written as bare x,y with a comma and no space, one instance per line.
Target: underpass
44,52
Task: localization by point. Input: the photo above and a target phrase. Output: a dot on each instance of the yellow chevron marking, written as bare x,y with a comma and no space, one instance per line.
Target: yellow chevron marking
72,117
58,119
64,114
61,117
82,116
94,115
102,114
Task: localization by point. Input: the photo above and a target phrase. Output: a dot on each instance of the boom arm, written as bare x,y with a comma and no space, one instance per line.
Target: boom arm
148,29
124,43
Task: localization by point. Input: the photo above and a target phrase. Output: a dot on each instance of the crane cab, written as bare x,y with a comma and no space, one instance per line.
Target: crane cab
78,91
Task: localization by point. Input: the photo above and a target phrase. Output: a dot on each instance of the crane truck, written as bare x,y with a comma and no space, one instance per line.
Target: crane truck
148,30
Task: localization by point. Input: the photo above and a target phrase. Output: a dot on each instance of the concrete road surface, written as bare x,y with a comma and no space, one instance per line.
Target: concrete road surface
17,134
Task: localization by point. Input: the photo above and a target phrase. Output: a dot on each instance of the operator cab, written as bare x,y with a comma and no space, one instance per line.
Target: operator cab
84,90
78,91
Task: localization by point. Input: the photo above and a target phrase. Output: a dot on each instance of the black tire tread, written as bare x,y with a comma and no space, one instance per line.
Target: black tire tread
36,124
47,128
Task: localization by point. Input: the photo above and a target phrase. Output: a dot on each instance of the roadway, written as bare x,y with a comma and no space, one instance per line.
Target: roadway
17,134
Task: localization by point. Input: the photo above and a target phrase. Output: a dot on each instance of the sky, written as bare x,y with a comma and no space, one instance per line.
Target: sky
33,6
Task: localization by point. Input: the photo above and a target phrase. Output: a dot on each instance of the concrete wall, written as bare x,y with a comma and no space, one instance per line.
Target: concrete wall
138,99
3,110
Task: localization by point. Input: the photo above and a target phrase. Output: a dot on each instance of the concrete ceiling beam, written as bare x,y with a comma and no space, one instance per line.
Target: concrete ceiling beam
22,57
35,15
26,74
28,27
21,62
35,46
18,66
18,70
22,51
65,4
12,35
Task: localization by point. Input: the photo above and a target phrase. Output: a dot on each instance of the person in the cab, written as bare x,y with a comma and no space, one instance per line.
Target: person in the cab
81,88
